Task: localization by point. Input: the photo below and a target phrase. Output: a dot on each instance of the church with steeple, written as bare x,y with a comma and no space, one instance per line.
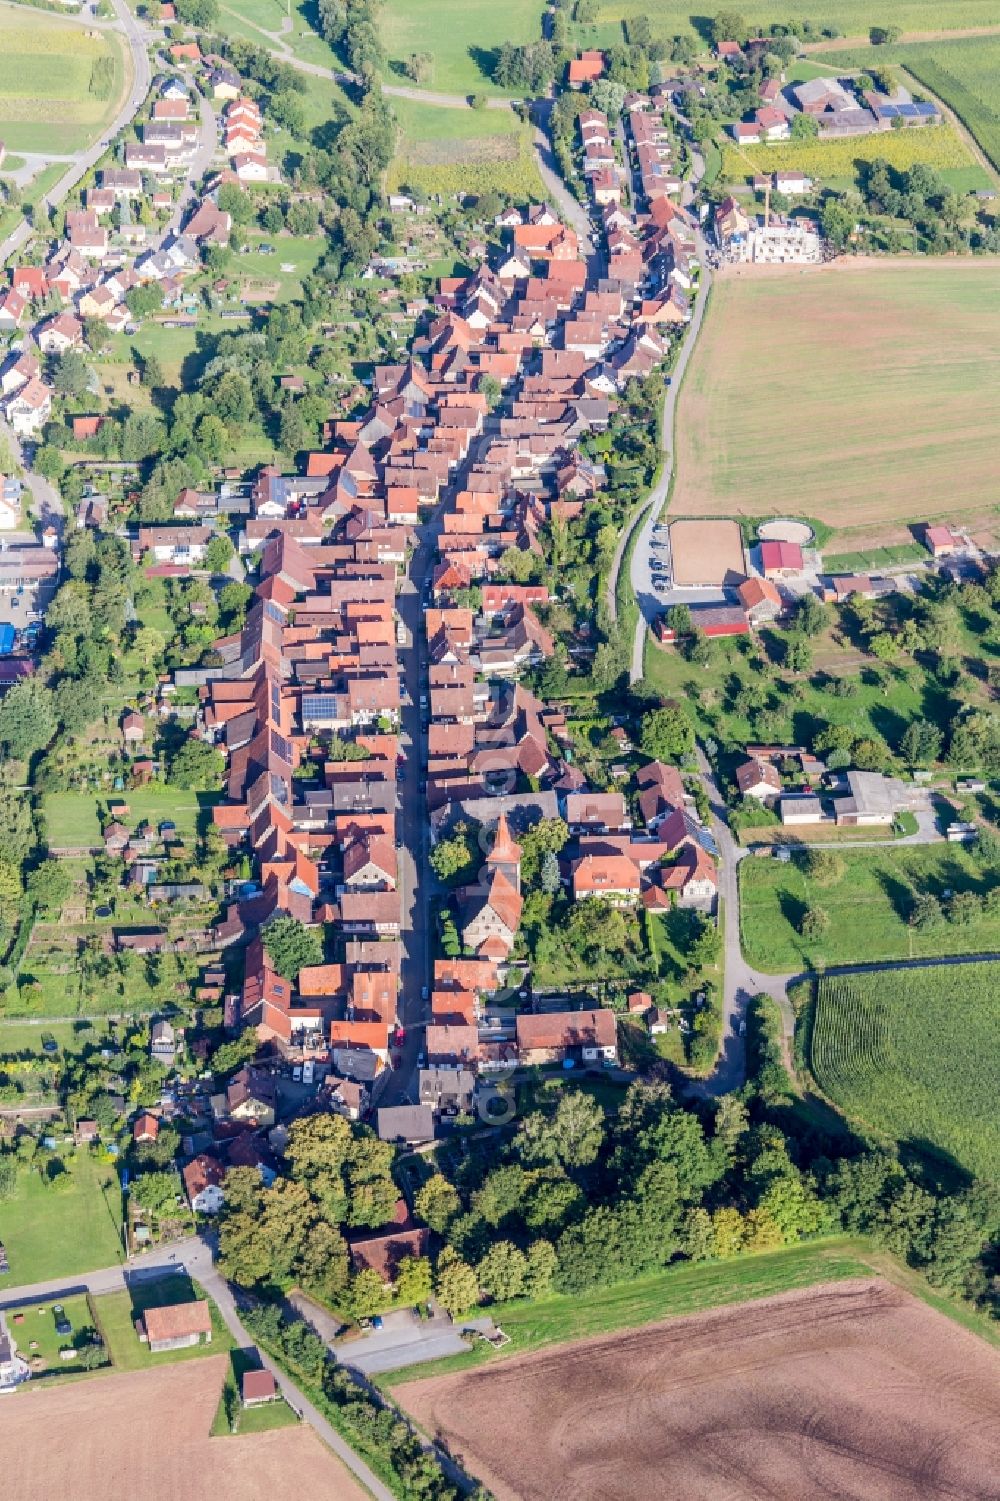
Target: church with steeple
491,911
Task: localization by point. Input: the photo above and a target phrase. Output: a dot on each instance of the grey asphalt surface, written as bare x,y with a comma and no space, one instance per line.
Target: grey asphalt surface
405,1340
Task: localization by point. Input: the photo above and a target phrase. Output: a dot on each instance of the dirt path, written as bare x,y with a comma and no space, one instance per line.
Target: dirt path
847,43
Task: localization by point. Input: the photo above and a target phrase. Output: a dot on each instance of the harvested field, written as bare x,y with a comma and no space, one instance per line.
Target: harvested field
864,393
707,552
853,1392
152,1440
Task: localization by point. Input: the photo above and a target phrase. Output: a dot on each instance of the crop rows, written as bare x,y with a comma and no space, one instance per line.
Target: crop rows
937,146
915,1055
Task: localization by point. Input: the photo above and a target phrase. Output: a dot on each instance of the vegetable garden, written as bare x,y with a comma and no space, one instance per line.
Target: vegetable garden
915,1054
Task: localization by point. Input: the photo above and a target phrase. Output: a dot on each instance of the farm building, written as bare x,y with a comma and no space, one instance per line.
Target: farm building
942,541
711,620
760,599
176,1327
257,1387
779,559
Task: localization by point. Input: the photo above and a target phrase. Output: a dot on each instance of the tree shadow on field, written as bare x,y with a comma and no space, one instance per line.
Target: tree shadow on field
485,59
793,908
935,1168
900,894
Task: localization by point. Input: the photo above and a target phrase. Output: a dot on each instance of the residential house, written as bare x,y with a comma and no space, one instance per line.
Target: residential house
759,779
554,1036
203,1178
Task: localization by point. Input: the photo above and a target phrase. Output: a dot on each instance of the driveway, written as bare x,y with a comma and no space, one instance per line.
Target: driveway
405,1340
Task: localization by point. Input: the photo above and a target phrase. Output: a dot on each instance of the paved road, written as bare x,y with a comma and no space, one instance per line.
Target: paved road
136,39
641,569
642,556
571,209
414,832
208,144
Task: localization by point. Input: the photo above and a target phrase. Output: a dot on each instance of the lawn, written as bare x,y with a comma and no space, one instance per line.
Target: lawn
916,1057
852,17
964,74
681,1289
52,96
472,151
462,38
868,908
54,1231
36,1335
72,1037
892,372
74,819
261,1419
117,1312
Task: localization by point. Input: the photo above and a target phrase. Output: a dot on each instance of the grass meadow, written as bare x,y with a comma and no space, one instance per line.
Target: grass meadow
851,17
73,819
866,392
49,100
463,150
915,1055
685,1288
868,908
58,1229
462,38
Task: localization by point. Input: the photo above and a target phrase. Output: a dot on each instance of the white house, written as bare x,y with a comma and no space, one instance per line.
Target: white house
203,1184
13,1370
30,408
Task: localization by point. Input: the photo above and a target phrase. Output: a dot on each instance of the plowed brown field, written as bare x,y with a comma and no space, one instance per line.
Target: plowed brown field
145,1435
852,1392
864,393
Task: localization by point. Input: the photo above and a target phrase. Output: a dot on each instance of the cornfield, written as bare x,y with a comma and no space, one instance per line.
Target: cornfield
915,1055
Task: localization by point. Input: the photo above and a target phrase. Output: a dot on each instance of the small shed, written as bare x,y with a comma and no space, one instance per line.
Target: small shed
257,1387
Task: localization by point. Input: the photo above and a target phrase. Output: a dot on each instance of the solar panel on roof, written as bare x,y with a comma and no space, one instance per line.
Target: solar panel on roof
926,108
317,706
889,111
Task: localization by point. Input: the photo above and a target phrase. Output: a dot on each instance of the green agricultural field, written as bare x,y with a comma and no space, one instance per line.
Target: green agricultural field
869,909
463,150
965,74
117,1312
71,1037
892,372
851,17
915,1055
74,819
66,1226
59,83
939,146
462,37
